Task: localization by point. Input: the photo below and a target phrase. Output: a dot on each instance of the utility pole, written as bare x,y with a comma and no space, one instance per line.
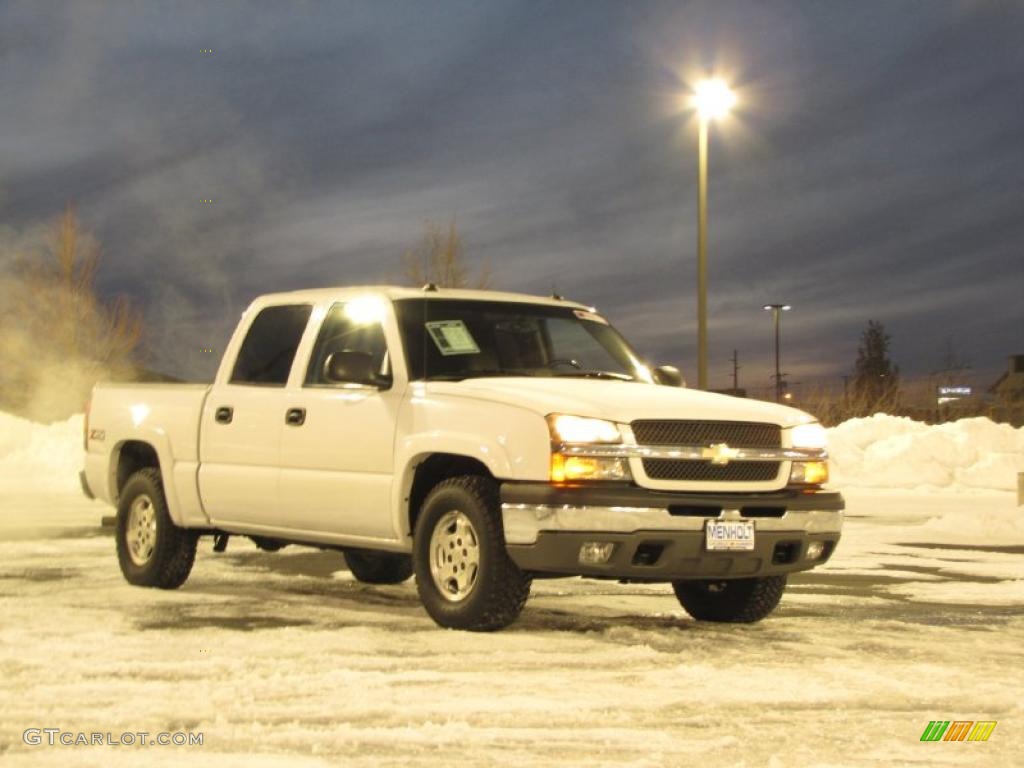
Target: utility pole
776,310
735,371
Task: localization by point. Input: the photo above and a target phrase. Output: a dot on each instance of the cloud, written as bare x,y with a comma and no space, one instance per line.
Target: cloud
872,172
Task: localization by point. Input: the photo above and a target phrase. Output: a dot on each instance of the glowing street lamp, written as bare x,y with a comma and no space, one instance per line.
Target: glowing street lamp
712,99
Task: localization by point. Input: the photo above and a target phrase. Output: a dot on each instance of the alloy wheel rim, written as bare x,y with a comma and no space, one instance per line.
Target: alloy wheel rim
140,535
454,556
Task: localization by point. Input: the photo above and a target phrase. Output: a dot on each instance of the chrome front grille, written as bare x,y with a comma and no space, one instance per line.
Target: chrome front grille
736,434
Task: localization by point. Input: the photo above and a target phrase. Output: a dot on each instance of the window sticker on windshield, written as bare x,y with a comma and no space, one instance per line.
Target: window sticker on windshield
583,314
452,337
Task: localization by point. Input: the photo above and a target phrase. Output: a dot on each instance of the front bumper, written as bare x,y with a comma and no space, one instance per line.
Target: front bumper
659,536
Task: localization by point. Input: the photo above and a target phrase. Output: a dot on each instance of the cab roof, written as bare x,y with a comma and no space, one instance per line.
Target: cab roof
394,292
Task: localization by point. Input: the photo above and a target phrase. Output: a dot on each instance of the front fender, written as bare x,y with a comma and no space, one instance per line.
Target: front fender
415,449
513,443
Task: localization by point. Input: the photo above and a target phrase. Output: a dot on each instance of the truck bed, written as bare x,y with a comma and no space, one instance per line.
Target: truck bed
165,416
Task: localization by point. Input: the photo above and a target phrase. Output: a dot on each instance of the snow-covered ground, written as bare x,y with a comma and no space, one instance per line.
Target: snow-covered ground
283,659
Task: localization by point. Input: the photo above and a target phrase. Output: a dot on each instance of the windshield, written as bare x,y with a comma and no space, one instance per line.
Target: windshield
451,340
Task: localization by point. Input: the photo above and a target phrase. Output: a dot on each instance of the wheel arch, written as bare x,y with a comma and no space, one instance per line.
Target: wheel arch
426,471
131,455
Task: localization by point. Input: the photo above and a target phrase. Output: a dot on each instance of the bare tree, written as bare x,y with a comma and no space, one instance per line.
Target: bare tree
439,259
63,336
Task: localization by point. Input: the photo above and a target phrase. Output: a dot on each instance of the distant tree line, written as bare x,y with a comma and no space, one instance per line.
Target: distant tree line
876,380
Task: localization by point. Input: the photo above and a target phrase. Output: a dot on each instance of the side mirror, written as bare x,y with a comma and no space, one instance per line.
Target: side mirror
351,368
669,376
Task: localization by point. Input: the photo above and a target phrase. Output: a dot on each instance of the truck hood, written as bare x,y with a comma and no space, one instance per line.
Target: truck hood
621,401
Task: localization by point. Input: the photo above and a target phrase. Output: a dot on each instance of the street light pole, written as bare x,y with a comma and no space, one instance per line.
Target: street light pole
776,309
712,98
702,255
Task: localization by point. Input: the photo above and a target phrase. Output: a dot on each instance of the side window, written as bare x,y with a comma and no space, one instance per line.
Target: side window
349,328
269,348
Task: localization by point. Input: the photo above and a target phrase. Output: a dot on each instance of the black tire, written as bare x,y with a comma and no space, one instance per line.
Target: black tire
732,600
496,590
158,553
268,544
372,567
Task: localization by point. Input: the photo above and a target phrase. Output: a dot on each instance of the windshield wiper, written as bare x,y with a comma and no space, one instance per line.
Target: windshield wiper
472,375
596,375
460,375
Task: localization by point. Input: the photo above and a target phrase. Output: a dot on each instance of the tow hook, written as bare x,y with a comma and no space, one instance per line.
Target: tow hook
220,541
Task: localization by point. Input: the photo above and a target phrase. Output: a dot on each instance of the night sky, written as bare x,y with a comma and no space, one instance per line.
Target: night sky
873,169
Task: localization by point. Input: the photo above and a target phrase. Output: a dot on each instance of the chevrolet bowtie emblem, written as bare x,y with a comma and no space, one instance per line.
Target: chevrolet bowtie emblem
720,453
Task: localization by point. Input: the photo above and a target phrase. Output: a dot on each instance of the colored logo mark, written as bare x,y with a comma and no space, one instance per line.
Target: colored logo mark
958,730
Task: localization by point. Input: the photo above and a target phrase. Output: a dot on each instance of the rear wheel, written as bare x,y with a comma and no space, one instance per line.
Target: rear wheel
268,544
378,567
732,600
151,549
464,576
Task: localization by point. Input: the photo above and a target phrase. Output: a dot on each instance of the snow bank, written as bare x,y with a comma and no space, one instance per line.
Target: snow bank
884,451
44,455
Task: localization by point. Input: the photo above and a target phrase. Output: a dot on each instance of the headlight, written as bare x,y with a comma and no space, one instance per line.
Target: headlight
577,429
809,436
568,468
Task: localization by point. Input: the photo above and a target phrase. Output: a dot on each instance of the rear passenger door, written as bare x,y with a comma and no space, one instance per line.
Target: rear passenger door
240,431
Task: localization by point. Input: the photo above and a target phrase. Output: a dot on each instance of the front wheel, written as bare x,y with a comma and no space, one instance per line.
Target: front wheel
151,549
731,600
464,576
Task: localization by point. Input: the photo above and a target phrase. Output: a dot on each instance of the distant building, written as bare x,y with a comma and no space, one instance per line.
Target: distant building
951,393
1009,388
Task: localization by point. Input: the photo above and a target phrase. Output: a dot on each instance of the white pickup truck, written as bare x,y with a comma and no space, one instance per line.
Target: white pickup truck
475,439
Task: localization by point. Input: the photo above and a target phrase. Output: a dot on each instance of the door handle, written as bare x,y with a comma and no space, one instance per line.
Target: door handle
295,417
224,414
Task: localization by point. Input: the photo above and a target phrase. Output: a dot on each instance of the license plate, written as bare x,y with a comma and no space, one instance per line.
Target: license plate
730,535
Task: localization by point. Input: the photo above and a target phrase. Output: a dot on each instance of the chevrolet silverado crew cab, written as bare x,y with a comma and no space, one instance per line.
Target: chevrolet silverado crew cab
475,439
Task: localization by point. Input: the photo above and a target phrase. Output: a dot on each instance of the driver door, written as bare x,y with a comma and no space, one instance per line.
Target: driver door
337,465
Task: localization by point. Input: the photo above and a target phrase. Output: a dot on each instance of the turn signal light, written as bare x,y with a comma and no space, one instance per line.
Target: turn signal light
809,472
568,469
